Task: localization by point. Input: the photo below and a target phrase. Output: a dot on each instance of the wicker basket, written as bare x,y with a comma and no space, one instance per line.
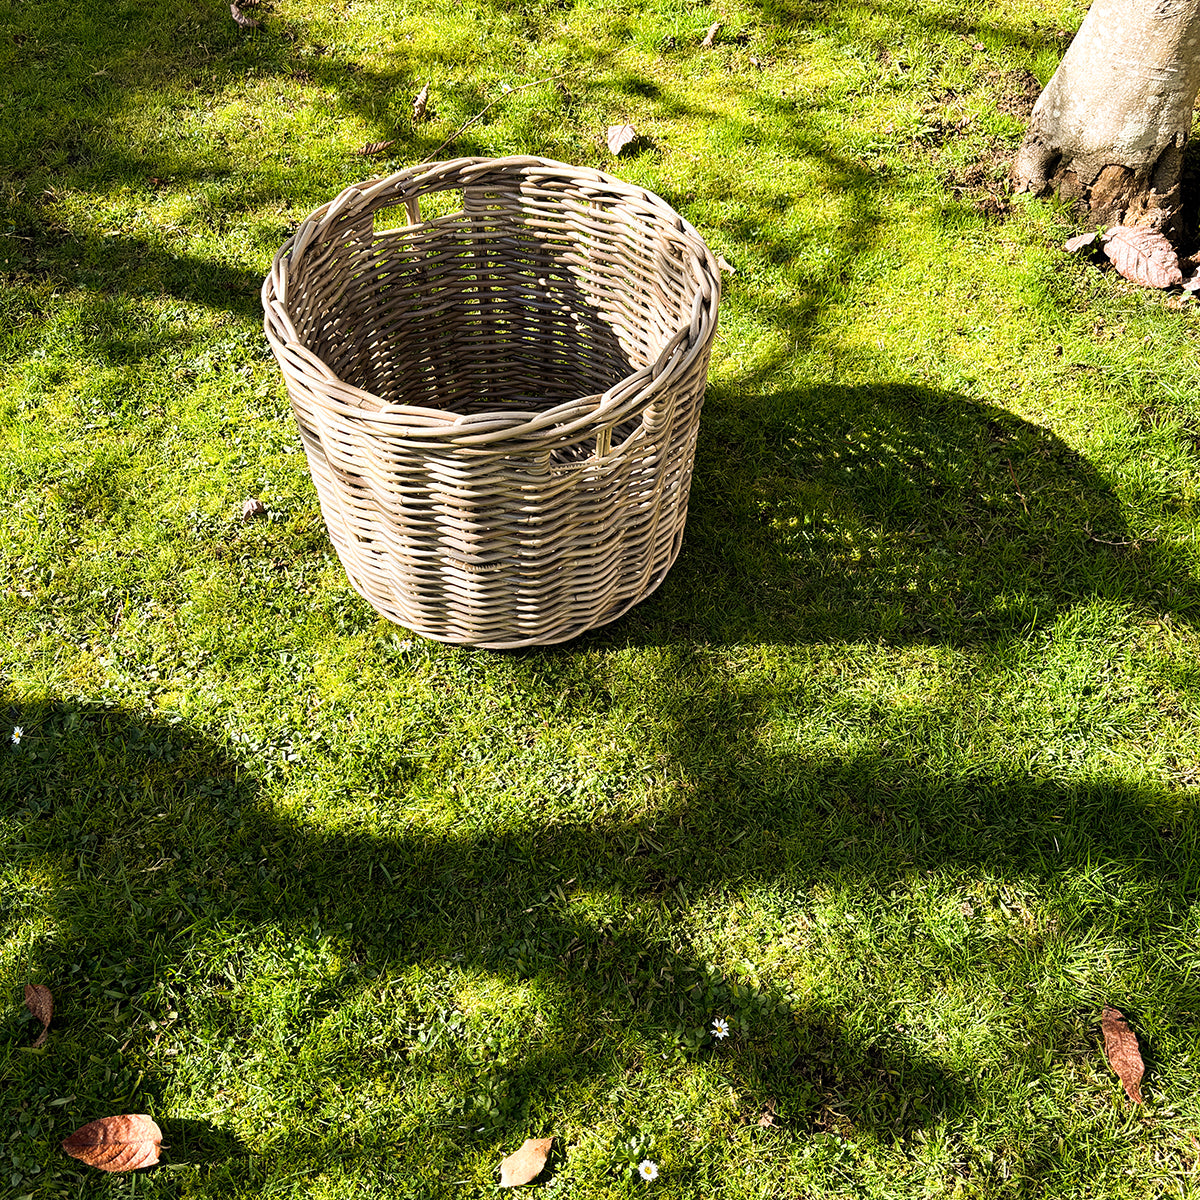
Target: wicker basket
500,405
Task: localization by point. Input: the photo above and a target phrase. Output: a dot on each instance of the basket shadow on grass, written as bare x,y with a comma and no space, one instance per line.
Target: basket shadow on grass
894,512
158,841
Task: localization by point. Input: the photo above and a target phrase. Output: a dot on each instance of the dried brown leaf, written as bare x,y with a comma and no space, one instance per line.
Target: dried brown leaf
40,1002
525,1165
252,507
244,21
116,1143
710,38
373,148
1144,256
620,136
1075,244
768,1118
1121,1050
420,103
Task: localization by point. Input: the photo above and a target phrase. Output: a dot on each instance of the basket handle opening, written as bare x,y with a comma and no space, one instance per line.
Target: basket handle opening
428,205
384,217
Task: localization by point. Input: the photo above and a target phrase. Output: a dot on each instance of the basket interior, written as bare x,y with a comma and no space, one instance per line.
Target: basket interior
521,298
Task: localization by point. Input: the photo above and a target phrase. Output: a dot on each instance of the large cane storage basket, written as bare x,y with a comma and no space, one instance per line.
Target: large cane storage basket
499,405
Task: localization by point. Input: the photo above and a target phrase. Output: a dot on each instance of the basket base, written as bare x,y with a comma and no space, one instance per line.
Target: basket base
570,629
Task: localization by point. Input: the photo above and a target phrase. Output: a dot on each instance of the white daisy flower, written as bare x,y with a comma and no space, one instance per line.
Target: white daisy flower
648,1170
720,1028
17,734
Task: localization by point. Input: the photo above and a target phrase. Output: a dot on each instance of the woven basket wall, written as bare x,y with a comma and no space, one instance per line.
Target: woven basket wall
499,404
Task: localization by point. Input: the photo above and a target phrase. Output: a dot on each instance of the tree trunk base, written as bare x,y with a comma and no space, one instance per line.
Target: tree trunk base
1106,193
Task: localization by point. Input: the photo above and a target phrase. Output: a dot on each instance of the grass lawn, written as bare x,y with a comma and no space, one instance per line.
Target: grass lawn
896,773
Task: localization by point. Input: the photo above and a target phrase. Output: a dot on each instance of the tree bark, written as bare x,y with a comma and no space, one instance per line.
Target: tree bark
1108,131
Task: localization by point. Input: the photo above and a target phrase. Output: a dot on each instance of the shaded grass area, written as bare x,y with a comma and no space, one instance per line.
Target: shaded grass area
407,995
896,772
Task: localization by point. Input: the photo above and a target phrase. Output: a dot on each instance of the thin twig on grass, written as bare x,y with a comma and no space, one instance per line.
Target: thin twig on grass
1149,537
1017,486
483,112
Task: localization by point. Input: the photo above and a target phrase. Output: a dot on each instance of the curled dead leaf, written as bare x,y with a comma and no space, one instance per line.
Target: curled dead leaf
620,136
253,507
420,104
373,148
1121,1050
116,1143
1075,244
40,1002
710,38
244,21
1143,256
525,1165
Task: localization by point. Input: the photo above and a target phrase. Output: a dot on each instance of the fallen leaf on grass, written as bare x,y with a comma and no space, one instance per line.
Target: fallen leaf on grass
244,21
525,1165
420,104
620,136
1121,1050
768,1118
710,38
116,1143
1144,256
40,1002
1075,244
253,507
373,148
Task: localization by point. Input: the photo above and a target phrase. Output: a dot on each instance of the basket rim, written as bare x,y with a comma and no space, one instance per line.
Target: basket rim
617,404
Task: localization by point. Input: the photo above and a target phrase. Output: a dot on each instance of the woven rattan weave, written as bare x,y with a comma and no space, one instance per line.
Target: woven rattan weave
499,405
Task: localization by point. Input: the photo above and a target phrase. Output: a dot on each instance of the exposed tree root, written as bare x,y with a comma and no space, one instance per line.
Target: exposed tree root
1105,193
